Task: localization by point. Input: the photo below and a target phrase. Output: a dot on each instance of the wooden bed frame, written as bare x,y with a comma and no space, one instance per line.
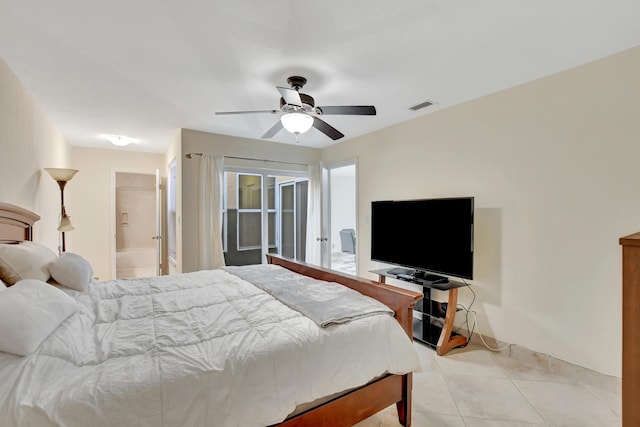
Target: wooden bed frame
16,223
365,401
346,409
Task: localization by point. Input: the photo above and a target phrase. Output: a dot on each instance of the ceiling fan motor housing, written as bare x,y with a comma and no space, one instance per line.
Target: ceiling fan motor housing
308,103
297,82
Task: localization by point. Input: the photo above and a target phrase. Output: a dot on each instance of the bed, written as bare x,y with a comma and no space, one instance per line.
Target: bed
185,358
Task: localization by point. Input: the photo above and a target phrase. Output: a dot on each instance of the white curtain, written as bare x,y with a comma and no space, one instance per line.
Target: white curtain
314,224
210,251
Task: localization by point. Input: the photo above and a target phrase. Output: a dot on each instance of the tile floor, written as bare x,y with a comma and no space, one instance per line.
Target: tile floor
475,387
341,261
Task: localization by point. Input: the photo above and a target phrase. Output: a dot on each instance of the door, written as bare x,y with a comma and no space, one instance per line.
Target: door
293,218
170,241
340,218
137,222
158,235
263,212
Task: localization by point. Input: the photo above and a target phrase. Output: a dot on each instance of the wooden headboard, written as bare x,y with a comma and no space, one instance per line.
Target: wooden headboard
16,223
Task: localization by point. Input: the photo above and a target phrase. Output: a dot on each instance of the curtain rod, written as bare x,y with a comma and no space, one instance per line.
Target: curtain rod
190,156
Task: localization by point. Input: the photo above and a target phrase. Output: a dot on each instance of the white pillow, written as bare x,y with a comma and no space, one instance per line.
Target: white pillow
71,270
2,286
29,311
26,260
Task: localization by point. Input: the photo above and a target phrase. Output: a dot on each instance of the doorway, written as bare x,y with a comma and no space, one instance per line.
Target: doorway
341,250
137,219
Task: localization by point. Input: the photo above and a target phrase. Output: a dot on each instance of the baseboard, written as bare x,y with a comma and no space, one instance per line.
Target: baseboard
547,363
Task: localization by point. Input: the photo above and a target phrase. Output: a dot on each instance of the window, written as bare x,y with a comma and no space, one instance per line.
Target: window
249,222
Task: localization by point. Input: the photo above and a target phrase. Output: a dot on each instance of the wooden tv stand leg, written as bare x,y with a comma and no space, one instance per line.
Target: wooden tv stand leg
446,341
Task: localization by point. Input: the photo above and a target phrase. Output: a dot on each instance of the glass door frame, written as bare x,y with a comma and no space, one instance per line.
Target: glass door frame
279,186
264,173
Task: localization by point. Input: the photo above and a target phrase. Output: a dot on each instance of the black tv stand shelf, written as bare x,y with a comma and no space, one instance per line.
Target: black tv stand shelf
432,320
410,275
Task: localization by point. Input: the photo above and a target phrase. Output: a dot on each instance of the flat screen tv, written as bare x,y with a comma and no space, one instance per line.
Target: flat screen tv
428,235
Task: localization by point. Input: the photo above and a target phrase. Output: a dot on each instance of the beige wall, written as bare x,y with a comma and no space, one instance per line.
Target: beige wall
202,142
553,167
29,142
92,204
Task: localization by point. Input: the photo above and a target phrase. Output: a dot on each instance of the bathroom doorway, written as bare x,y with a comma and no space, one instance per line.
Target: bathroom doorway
137,225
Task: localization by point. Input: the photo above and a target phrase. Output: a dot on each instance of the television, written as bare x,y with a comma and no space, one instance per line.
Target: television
426,235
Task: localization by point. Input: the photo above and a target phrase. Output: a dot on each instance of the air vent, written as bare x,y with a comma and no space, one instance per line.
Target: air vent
422,105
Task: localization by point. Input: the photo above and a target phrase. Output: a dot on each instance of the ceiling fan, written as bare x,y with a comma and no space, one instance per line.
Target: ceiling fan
301,113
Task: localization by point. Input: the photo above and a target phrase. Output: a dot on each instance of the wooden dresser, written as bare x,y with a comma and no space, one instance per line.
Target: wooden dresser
630,330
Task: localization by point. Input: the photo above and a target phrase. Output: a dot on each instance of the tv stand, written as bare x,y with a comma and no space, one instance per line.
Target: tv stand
428,277
402,270
427,311
410,274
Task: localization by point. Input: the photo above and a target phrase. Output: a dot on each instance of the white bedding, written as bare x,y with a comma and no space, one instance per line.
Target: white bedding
203,348
326,303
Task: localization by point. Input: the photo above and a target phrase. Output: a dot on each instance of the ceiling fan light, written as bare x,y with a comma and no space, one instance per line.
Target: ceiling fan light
296,123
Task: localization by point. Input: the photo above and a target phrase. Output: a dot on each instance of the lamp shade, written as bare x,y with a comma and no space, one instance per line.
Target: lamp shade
297,122
65,224
60,174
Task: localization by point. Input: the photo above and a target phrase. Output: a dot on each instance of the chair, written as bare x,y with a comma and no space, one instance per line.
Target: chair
348,240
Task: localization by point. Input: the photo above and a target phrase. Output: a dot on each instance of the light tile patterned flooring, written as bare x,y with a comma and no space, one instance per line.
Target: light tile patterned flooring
344,262
474,387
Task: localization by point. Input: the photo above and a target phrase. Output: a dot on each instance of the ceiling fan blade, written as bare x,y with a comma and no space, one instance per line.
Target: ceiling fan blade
327,129
290,96
226,113
274,129
360,110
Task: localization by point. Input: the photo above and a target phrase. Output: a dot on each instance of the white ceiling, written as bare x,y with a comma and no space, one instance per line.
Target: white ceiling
146,68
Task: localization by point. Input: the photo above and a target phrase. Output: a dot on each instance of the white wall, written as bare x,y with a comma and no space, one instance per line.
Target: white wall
29,142
202,142
343,206
553,167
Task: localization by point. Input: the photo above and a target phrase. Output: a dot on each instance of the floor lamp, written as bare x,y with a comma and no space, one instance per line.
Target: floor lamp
62,176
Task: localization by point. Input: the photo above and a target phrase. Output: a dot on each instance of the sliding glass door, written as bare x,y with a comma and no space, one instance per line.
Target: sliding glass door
262,214
293,218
